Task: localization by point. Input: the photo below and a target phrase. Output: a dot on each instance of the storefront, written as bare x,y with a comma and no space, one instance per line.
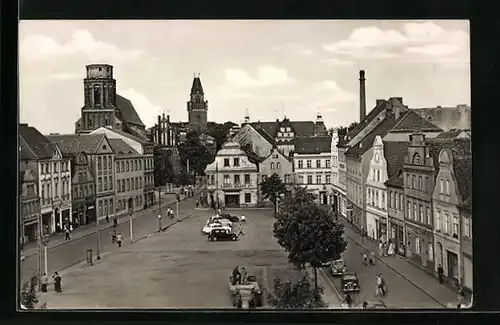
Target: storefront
30,229
396,234
232,199
420,246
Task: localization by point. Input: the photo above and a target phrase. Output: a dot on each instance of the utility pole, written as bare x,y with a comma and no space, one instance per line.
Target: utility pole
131,211
217,184
98,242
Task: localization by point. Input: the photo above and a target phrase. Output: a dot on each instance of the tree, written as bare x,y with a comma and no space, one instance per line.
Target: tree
164,172
219,132
308,233
197,154
29,297
299,295
272,188
342,130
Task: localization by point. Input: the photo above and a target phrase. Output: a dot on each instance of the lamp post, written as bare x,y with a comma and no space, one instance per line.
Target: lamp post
39,245
130,213
98,242
45,253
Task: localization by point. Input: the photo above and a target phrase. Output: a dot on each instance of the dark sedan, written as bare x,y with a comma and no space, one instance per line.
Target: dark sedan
230,217
350,282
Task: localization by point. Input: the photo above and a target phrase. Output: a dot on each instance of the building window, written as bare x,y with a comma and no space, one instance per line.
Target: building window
301,164
378,175
376,199
408,180
414,182
110,183
111,206
236,162
467,227
309,179
417,245
105,162
455,226
309,163
446,223
415,212
248,197
328,179
212,179
278,165
287,179
383,201
272,166
318,163
128,184
421,213
447,187
99,184
123,185
301,179
438,220
226,162
236,179
429,216
247,178
140,164
430,253
100,208
128,166
441,186
328,163
99,163
117,167
408,212
136,164
318,179
226,180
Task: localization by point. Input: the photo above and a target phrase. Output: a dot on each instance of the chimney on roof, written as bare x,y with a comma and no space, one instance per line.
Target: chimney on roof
399,99
362,95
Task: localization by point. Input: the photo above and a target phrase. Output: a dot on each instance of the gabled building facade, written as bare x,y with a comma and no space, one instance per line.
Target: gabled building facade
312,164
418,187
54,178
232,179
30,204
258,139
101,163
83,190
277,163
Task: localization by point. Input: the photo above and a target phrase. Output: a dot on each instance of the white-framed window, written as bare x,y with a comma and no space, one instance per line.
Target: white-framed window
447,186
408,208
328,178
420,183
467,227
318,179
378,175
430,252
455,226
446,228
301,179
441,186
272,165
227,181
415,211
328,163
429,216
309,179
383,200
421,214
301,164
414,182
417,245
318,163
309,163
278,165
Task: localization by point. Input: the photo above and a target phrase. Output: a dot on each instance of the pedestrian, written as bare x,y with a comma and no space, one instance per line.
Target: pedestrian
71,228
365,305
372,257
57,282
107,218
66,231
119,239
197,203
113,236
365,259
243,219
45,282
348,300
236,275
391,249
219,212
440,273
380,248
115,222
243,275
379,291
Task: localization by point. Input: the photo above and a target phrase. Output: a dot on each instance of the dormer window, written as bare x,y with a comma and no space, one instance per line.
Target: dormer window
288,129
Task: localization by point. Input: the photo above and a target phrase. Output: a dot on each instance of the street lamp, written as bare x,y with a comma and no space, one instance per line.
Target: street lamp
98,242
130,213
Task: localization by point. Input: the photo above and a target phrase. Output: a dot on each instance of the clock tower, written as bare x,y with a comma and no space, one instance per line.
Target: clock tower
197,107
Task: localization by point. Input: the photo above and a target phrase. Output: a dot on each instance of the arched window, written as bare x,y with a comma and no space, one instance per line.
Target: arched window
447,187
97,94
416,159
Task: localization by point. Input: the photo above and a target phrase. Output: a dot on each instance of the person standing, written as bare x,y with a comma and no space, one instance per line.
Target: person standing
348,300
115,222
236,275
45,282
159,222
119,239
380,248
243,275
365,259
440,274
107,218
113,236
66,231
57,282
372,258
391,249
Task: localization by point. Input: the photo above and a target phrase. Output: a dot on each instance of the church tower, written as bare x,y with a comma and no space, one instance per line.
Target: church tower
197,107
99,98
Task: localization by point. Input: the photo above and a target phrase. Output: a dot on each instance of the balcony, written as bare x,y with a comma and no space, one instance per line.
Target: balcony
237,186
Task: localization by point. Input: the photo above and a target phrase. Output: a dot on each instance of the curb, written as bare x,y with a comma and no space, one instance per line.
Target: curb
337,293
103,228
399,273
163,229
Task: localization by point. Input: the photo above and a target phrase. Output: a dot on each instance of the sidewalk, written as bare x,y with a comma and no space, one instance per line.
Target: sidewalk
330,295
57,240
412,273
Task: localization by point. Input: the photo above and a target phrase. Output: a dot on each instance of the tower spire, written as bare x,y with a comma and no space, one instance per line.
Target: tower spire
247,116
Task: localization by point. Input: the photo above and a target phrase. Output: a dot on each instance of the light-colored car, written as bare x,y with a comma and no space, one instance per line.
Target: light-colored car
214,225
221,220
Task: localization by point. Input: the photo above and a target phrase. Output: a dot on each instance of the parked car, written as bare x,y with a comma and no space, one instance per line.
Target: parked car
214,225
350,282
230,217
220,219
221,234
337,267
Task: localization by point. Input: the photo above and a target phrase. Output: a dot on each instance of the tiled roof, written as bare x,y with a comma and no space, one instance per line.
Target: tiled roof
368,118
366,143
131,136
412,121
458,147
301,128
127,110
343,140
38,144
266,135
313,145
26,153
394,153
397,180
76,143
449,134
122,149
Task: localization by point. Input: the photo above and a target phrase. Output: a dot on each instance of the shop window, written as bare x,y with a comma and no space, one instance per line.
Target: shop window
248,197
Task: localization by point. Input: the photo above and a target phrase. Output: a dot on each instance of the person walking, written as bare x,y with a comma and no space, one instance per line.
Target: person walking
391,250
66,231
440,274
115,222
113,236
107,218
243,275
119,239
236,275
45,282
159,223
372,258
348,300
380,248
57,282
365,259
379,291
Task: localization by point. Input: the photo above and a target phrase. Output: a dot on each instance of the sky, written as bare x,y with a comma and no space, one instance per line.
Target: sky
272,69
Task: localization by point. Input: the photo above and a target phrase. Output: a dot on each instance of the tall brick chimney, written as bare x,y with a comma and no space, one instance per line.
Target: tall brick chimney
158,130
362,95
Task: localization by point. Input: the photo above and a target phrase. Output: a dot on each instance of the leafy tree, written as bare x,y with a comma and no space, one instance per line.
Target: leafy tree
272,188
164,172
308,233
298,295
219,132
342,130
197,154
29,297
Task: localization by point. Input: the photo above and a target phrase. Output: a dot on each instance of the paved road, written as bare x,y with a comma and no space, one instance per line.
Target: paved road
63,256
401,293
177,268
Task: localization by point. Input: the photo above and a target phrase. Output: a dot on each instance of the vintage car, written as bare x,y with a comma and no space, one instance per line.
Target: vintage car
230,217
350,282
249,291
221,234
214,225
337,267
220,219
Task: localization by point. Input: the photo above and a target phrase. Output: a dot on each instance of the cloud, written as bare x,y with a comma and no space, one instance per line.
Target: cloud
334,93
425,39
266,76
146,110
40,47
296,48
339,62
